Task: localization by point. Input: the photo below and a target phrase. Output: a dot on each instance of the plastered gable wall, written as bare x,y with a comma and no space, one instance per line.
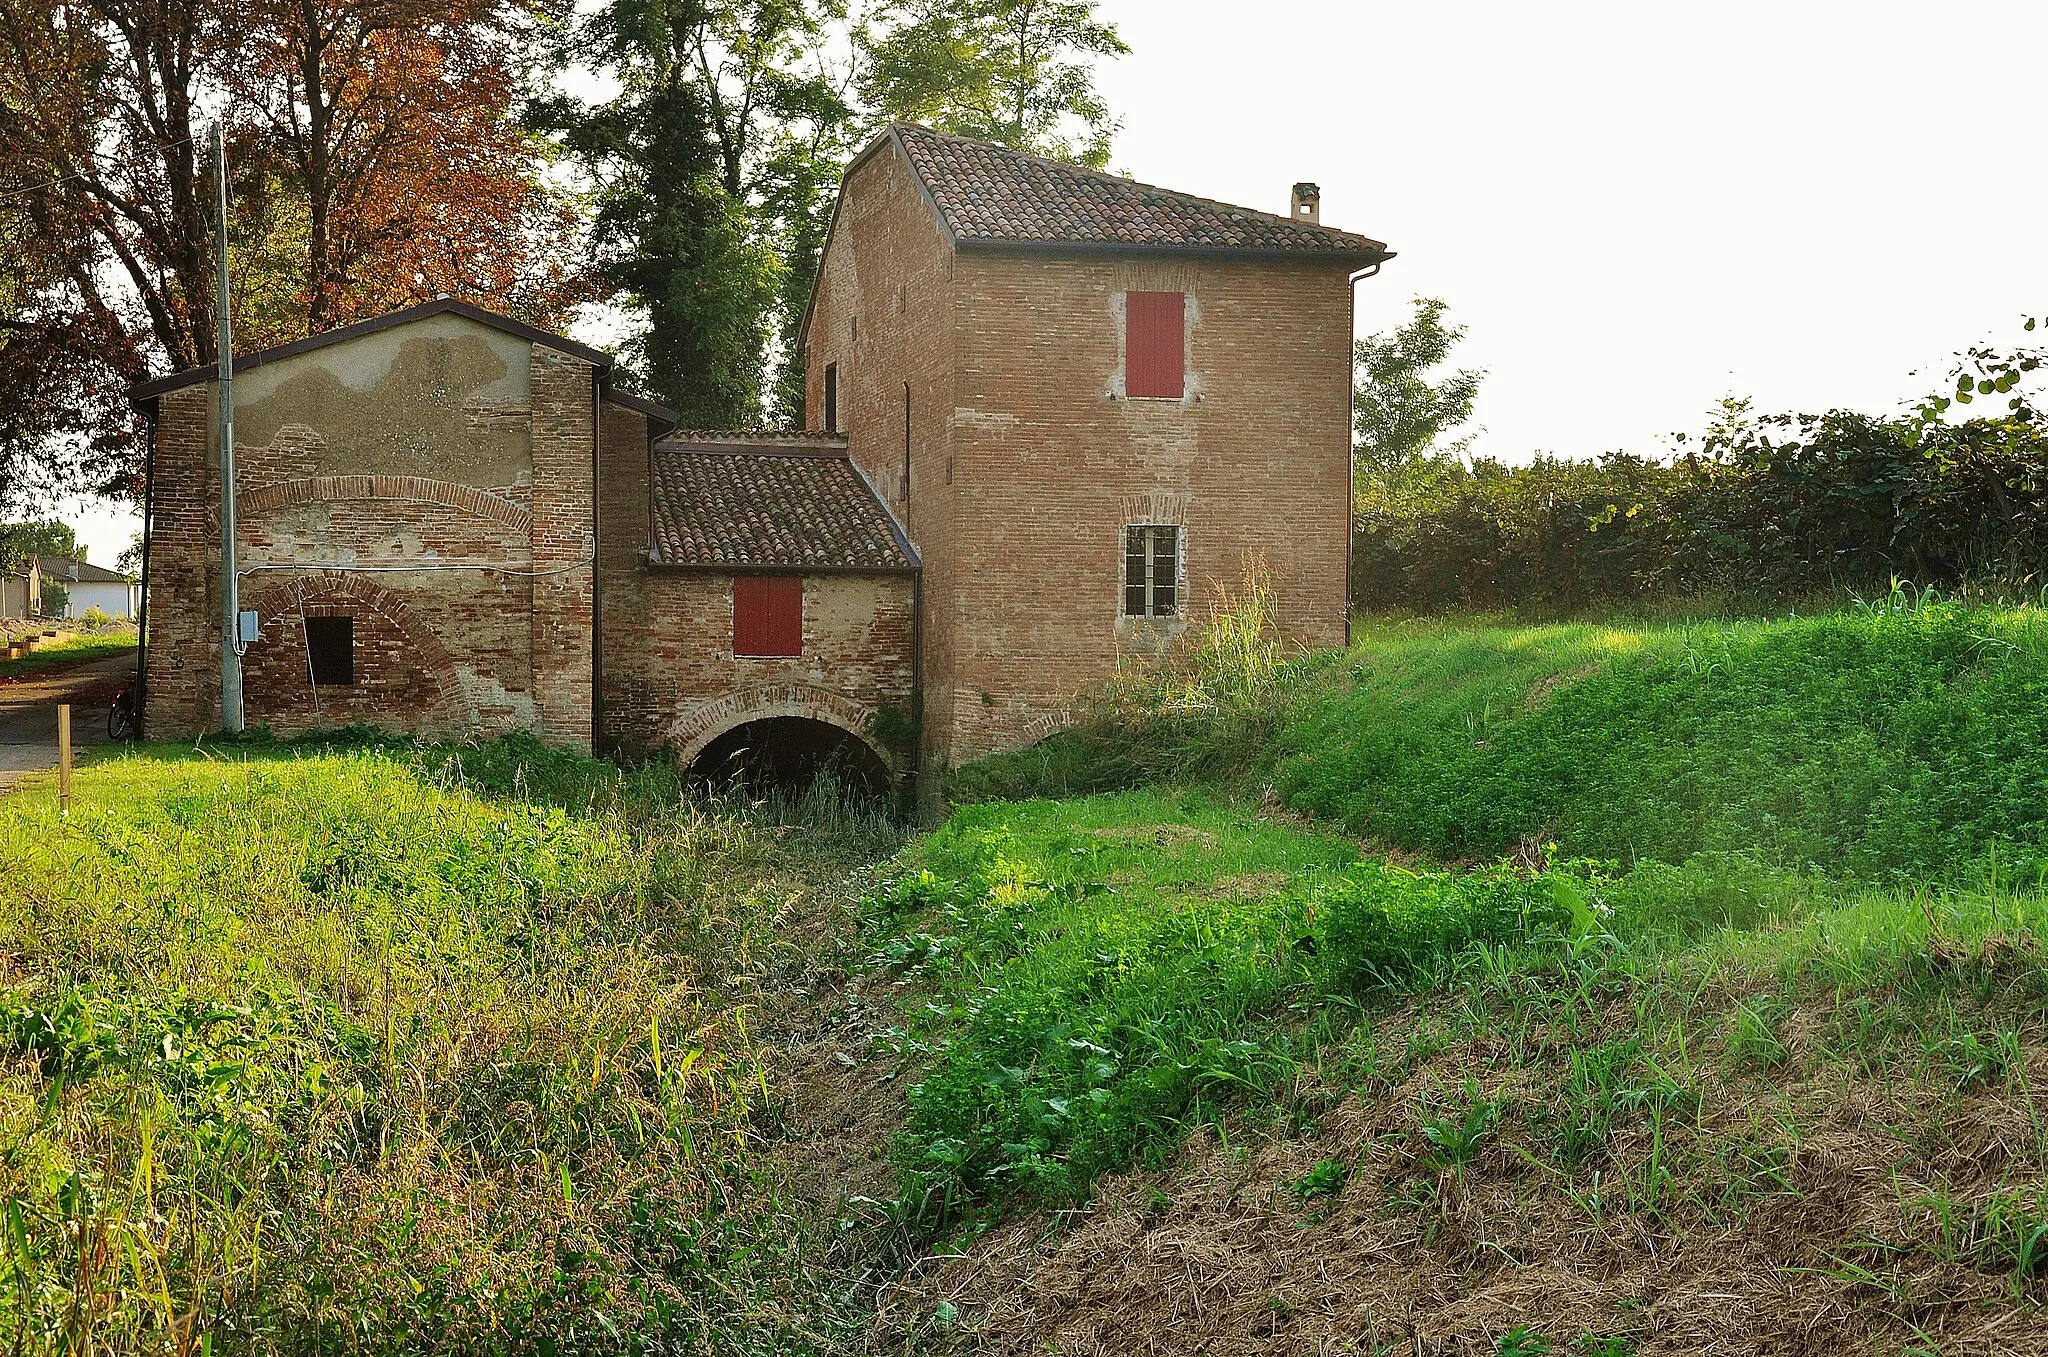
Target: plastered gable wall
437,444
1051,463
885,315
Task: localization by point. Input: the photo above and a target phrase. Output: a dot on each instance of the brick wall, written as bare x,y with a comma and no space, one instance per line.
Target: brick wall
670,677
1051,463
366,473
564,396
1027,462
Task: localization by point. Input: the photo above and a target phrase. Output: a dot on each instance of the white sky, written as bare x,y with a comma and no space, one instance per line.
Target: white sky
1637,207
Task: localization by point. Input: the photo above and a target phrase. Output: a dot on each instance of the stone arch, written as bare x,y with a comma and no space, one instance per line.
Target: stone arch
470,499
705,722
325,589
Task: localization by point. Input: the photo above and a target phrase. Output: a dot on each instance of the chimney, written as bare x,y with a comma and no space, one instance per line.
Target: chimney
1308,201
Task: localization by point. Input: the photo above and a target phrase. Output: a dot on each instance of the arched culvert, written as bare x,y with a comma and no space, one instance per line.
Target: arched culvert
789,753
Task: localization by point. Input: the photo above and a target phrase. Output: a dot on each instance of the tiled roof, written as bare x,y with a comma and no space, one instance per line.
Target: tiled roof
775,510
65,570
992,194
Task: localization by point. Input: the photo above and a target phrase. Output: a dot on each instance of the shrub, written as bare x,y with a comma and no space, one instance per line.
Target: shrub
1783,507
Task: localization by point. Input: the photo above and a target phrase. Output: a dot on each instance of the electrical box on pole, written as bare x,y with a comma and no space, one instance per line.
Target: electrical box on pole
231,642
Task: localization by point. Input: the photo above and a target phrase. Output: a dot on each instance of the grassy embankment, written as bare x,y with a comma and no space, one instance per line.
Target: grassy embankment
1685,987
395,1049
77,648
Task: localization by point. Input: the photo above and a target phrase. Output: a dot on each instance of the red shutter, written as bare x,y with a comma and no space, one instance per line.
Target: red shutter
767,615
1155,344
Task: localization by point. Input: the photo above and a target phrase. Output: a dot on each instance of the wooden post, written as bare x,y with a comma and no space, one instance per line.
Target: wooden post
64,757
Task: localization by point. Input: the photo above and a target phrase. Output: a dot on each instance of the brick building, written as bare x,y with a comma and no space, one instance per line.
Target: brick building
1091,401
1057,411
450,523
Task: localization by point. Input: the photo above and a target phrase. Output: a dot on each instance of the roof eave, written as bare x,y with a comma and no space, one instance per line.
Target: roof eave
1360,258
660,566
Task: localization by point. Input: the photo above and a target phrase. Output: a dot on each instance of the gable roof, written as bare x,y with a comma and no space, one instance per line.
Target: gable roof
64,570
143,394
747,502
990,195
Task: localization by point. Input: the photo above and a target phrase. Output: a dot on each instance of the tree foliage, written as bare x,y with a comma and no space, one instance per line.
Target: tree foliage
1018,72
37,537
375,162
1403,406
1762,509
712,166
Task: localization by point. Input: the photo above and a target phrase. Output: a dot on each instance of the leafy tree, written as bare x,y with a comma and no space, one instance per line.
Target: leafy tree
374,163
1403,406
1017,72
713,167
37,537
387,130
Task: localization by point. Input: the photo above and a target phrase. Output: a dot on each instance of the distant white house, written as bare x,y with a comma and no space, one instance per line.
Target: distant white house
21,591
87,587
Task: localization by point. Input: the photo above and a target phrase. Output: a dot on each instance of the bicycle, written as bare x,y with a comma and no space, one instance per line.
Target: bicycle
121,716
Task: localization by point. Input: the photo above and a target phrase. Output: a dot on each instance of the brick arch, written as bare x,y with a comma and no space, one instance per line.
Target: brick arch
696,728
414,489
326,592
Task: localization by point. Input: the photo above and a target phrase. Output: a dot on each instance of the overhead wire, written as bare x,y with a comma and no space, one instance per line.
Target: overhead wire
13,194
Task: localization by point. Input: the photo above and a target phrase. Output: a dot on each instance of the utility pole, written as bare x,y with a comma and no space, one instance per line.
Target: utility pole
230,591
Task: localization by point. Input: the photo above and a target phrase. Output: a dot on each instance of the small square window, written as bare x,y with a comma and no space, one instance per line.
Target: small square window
331,651
1152,571
768,615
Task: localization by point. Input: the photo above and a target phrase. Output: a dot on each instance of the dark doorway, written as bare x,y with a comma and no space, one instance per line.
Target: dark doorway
788,753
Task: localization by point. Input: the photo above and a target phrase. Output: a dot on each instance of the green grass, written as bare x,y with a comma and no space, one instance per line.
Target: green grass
328,1047
74,649
1671,851
1889,743
1091,975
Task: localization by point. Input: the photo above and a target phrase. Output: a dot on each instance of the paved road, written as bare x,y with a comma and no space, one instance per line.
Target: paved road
28,713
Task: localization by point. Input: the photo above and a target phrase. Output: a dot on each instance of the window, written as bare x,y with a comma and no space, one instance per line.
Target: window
331,651
768,615
1151,571
831,398
1155,345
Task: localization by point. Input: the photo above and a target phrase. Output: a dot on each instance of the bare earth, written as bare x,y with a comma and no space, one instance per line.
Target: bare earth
28,713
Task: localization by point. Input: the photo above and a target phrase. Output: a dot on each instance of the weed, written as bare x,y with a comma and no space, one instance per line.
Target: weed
1460,1135
1521,1341
1325,1179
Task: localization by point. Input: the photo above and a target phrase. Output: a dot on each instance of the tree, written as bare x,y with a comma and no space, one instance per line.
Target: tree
712,167
1402,408
382,128
389,132
38,537
1018,72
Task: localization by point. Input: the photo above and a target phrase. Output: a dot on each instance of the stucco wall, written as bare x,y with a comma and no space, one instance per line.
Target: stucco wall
390,478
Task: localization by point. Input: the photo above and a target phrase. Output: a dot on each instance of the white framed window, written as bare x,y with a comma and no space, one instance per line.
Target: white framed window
1153,553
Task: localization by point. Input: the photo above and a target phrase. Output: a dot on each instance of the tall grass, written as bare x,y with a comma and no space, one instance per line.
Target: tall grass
1206,709
1890,741
372,1048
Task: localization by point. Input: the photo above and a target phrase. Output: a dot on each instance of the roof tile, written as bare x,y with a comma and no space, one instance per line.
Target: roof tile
989,193
776,510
